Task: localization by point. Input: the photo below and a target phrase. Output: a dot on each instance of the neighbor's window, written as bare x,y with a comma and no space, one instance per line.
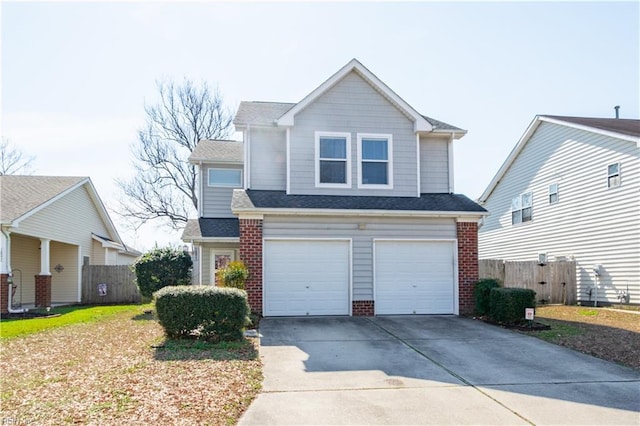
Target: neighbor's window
225,177
613,172
374,156
553,193
522,208
333,165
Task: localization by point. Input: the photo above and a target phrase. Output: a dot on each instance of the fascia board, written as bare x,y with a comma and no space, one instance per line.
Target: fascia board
345,212
591,129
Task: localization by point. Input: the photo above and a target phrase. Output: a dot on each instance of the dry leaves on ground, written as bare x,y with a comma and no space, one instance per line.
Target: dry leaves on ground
604,333
109,373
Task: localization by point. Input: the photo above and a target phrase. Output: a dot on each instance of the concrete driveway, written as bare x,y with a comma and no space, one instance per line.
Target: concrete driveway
441,370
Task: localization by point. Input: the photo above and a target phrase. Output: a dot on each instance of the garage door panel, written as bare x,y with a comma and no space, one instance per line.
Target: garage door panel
306,277
414,277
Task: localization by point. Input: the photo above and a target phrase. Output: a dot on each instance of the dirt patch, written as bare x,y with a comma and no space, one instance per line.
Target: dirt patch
604,333
122,371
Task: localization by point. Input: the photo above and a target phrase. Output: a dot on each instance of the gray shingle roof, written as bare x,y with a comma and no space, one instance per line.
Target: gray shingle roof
211,228
218,150
441,125
618,125
260,113
426,202
21,194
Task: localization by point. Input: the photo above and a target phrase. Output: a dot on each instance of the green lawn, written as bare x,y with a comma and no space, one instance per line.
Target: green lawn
65,315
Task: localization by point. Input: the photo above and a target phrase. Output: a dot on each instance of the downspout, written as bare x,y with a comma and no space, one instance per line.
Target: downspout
10,280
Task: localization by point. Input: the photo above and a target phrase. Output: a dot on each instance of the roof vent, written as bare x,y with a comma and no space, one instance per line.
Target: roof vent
617,108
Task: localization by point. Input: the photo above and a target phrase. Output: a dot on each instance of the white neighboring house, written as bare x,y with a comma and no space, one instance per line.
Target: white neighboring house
51,226
570,189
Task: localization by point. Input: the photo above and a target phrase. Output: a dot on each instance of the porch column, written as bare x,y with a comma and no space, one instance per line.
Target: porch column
251,255
5,270
467,264
43,281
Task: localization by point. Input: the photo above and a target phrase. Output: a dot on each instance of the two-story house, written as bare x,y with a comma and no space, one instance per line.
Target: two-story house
340,204
570,189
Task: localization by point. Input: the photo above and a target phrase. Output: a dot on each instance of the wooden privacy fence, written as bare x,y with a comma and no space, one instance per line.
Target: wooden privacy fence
553,282
105,284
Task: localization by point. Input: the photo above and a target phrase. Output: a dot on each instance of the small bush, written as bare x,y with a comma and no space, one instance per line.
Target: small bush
208,312
507,305
481,292
162,267
234,275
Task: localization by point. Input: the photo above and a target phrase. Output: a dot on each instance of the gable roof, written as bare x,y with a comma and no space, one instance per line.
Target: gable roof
250,199
223,151
23,196
283,113
625,129
221,229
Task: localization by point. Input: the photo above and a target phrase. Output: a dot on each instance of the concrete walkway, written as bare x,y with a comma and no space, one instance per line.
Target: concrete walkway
442,370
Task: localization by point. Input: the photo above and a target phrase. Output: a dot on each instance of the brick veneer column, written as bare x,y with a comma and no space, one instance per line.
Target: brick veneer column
43,291
362,308
251,255
4,293
467,264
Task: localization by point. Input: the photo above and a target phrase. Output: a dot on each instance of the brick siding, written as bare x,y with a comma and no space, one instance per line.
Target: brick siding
43,291
362,308
4,293
251,255
467,265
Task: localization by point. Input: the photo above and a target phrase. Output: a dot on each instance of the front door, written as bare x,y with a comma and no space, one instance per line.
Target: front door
219,260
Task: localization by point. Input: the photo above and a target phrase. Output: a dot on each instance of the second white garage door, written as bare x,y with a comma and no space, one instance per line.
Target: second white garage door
306,277
414,277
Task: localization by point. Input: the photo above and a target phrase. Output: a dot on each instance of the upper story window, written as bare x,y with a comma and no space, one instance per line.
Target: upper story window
554,193
613,175
333,159
522,208
375,159
231,178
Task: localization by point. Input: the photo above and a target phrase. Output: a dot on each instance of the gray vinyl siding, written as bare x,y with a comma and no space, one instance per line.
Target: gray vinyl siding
268,159
362,239
434,165
592,223
352,106
216,201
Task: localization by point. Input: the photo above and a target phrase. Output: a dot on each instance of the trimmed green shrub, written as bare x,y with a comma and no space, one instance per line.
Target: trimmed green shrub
507,305
162,267
234,275
481,292
207,312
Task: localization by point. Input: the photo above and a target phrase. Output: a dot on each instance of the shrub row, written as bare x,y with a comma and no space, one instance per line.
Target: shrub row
211,313
505,305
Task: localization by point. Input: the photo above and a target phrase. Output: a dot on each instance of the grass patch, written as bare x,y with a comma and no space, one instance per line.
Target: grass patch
65,315
559,330
185,349
588,312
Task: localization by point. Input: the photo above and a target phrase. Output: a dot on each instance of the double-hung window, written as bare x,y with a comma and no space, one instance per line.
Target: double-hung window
333,159
375,160
553,193
522,208
231,178
613,175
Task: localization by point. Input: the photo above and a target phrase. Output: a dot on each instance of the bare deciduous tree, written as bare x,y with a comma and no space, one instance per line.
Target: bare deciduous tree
164,185
13,161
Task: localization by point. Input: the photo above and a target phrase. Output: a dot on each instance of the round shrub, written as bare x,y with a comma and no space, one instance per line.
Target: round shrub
162,267
481,293
235,275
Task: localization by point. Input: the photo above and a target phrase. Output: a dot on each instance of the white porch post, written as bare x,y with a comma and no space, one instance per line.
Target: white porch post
5,252
45,251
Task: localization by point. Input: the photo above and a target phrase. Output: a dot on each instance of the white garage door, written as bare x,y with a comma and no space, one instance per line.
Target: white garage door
306,277
414,277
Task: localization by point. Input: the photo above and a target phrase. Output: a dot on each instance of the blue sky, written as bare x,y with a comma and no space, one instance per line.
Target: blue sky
76,76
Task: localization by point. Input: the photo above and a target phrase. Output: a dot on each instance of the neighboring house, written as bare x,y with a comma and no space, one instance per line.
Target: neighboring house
341,204
51,226
570,189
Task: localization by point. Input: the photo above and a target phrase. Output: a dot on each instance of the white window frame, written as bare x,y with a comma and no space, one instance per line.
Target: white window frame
347,137
552,192
224,185
611,175
389,160
521,208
